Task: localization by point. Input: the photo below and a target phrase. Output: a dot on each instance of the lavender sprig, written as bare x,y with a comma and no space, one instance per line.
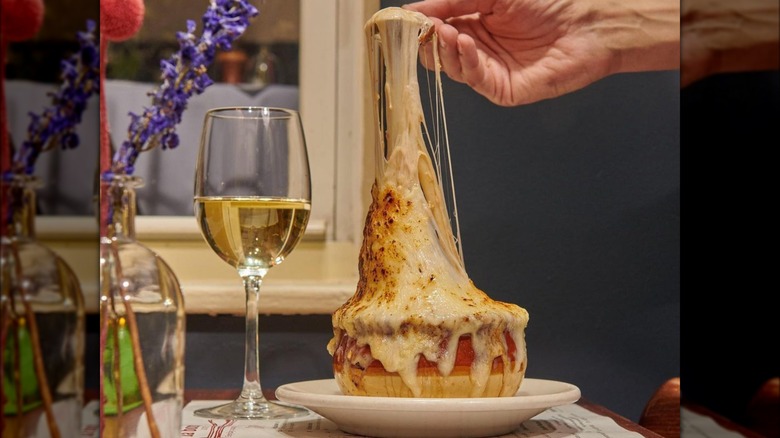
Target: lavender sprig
183,75
57,124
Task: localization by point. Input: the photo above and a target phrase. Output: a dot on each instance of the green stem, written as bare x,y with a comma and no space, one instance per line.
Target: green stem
117,373
18,374
140,371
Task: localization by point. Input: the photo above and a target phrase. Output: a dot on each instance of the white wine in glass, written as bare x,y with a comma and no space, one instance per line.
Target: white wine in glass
252,203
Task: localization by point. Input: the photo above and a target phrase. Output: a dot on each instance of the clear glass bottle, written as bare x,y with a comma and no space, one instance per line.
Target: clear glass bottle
42,334
142,325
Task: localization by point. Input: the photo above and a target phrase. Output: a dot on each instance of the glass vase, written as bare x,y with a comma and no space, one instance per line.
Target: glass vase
42,334
142,325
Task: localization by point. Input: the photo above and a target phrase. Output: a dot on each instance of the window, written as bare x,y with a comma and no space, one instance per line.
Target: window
322,272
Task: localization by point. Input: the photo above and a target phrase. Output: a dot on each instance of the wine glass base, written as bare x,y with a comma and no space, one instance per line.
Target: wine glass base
252,410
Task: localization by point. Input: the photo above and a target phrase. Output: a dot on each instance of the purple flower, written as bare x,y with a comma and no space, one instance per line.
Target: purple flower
183,75
57,124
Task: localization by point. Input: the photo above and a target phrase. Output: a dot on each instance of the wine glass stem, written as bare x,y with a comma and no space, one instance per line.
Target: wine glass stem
251,389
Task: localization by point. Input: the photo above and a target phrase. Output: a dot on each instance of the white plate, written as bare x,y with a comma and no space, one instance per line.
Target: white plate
428,417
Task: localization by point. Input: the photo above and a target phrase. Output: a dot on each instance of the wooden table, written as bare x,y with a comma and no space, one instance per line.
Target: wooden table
229,394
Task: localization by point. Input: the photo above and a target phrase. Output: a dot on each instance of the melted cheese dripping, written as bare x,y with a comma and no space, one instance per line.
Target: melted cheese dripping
414,295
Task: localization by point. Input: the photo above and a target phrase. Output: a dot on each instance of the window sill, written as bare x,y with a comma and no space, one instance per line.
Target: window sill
316,278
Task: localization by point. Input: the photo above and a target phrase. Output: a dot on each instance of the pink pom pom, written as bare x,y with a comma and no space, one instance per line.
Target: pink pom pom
21,19
121,19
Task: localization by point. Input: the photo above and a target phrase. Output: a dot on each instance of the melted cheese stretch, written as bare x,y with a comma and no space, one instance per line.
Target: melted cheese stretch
411,301
414,296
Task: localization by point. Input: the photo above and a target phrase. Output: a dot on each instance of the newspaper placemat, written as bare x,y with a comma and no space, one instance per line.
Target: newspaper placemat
90,420
558,422
695,425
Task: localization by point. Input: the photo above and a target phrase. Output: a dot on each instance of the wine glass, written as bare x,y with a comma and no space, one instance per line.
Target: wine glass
252,202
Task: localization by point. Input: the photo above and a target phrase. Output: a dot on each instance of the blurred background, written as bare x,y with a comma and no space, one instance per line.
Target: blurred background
32,71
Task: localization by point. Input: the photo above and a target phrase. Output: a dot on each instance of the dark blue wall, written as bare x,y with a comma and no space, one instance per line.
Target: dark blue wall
571,208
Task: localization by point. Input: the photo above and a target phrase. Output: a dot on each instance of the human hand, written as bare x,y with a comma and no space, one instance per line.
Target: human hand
521,51
720,36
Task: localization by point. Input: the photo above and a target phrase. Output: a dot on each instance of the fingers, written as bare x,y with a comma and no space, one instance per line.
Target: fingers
458,56
472,70
449,56
448,51
455,48
475,67
461,60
